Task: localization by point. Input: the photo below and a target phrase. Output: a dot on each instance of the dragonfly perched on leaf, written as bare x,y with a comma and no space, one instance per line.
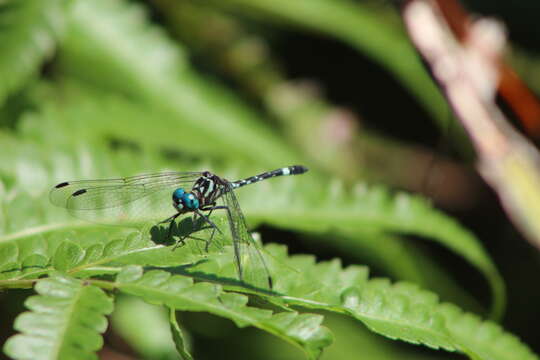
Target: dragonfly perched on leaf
141,197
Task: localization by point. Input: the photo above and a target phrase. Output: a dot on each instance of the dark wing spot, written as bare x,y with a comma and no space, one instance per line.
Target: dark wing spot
62,185
79,192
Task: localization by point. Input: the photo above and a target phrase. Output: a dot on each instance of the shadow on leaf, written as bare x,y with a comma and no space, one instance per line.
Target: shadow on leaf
177,232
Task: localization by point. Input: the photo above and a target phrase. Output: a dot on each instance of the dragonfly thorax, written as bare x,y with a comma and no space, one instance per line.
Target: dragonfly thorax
185,200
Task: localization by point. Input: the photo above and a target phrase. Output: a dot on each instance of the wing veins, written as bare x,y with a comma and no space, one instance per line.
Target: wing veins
121,191
248,246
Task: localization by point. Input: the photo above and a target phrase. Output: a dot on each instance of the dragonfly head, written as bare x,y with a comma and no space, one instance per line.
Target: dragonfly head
186,199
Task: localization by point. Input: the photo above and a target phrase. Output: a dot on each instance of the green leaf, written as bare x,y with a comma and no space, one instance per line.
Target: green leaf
178,337
130,273
28,35
399,311
64,322
401,260
97,251
180,293
67,256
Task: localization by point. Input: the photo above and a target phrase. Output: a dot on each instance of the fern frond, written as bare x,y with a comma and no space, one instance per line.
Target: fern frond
64,322
399,311
321,207
84,251
180,293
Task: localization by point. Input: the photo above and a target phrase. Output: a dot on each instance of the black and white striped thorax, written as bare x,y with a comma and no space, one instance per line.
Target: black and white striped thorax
209,187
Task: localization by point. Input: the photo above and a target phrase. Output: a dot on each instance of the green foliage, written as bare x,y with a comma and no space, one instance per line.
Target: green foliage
180,293
65,321
123,99
30,29
374,208
195,107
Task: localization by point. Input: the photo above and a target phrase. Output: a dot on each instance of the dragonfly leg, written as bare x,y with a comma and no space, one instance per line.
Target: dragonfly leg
214,226
179,243
209,242
170,220
182,242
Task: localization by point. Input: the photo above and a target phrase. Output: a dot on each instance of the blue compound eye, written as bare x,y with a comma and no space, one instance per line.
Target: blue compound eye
190,201
177,195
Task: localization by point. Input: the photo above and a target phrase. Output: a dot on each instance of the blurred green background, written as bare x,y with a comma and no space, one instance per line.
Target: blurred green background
245,86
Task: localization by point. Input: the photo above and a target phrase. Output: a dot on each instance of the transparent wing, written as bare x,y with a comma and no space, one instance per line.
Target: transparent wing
250,262
130,199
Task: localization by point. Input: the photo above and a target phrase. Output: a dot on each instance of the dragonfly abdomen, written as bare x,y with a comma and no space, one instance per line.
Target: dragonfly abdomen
289,170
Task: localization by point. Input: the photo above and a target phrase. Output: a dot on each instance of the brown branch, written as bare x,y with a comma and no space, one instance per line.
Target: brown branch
511,88
469,71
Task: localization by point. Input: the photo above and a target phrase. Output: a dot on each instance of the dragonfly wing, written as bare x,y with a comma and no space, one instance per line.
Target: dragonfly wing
249,257
131,199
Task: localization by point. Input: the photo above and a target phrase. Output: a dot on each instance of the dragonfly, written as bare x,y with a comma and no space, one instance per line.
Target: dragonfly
198,193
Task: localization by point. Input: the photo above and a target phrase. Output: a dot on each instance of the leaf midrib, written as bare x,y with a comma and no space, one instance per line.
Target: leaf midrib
68,323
